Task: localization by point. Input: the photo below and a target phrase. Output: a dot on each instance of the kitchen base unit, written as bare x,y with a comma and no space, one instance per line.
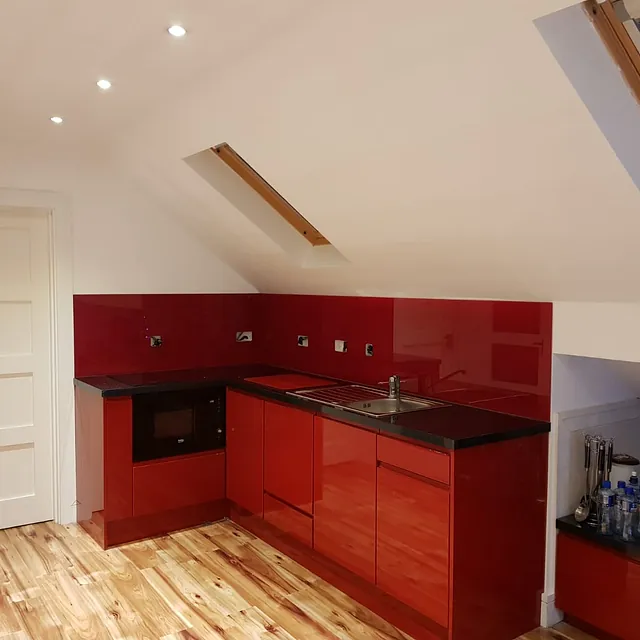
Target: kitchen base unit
121,501
444,544
598,588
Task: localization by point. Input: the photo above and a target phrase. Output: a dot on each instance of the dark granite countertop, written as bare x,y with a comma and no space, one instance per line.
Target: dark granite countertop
568,524
451,427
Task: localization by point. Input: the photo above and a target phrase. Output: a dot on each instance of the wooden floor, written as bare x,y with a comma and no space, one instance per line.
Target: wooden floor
212,582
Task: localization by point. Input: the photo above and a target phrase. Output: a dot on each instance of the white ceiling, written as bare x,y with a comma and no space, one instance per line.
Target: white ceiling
439,146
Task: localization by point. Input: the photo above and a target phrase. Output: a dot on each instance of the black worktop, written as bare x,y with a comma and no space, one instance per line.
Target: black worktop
452,426
568,524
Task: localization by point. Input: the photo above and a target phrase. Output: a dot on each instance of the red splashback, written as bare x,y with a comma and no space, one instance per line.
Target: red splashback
198,330
495,355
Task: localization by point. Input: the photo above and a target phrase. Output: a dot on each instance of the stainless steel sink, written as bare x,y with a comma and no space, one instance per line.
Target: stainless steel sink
366,400
385,406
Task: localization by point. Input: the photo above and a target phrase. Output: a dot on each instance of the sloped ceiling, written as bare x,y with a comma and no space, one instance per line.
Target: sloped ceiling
439,146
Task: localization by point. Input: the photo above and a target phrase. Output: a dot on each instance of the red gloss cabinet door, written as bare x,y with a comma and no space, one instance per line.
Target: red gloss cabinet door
413,543
288,455
345,496
615,596
245,441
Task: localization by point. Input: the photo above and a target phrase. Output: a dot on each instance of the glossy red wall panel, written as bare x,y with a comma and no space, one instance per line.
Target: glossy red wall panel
413,543
198,330
288,455
345,495
118,459
245,445
495,355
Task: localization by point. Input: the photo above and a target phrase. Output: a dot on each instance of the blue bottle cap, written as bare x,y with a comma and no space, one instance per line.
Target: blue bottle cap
621,484
606,484
629,491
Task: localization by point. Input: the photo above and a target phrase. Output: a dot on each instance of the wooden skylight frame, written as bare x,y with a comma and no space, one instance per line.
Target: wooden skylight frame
254,180
620,44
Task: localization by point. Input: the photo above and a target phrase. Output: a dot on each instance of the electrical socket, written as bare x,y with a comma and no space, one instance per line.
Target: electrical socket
368,349
340,346
244,336
303,341
155,341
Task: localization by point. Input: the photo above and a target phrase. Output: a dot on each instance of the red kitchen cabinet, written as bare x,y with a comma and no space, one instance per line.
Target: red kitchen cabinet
345,495
413,542
597,586
245,442
288,455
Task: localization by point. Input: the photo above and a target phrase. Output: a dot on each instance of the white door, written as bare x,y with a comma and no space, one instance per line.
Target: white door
26,471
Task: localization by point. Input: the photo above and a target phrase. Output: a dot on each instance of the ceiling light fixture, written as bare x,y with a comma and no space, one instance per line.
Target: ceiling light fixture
56,119
104,84
177,31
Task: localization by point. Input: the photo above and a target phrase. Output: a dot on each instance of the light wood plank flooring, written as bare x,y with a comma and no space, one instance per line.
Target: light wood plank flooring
216,581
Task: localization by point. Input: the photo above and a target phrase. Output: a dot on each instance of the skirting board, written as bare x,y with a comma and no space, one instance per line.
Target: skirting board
549,614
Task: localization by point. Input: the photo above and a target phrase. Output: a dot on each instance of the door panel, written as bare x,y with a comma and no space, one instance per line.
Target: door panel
413,543
25,386
345,495
288,455
245,443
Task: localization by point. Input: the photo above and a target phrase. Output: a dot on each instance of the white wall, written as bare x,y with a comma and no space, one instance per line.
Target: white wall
124,242
597,330
443,156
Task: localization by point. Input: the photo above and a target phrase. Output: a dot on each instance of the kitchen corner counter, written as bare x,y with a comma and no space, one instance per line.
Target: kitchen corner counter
450,427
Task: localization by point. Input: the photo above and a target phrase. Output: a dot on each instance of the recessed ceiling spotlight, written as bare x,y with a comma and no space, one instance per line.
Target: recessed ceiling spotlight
177,31
104,84
56,120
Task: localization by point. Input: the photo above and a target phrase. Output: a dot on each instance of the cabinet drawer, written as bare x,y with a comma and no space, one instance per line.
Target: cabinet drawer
288,520
425,462
179,482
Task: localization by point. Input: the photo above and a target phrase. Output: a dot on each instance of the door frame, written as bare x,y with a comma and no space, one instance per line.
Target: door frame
58,210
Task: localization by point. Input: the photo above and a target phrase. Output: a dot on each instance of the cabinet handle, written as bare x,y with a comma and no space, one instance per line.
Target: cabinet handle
411,474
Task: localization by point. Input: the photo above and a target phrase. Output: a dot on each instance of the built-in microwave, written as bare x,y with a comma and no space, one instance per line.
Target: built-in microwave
173,423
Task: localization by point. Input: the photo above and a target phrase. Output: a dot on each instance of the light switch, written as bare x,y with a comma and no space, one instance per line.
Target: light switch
340,346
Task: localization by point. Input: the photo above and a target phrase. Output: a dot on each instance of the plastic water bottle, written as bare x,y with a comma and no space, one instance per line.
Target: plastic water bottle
617,520
629,508
605,509
634,483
